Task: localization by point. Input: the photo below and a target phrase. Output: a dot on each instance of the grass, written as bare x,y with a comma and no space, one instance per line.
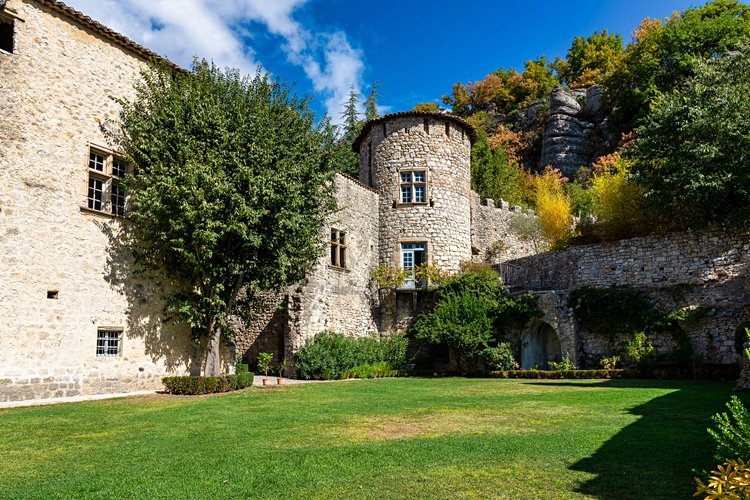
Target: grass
414,438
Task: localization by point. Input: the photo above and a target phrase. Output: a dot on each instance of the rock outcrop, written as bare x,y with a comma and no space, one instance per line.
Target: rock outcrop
575,133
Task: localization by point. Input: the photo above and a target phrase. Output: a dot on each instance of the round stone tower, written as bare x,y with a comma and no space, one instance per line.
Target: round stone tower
420,164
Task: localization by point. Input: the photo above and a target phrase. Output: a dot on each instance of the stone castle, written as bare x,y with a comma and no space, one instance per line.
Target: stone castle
76,320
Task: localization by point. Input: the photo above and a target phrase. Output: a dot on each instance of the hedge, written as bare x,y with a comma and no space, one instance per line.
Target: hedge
207,385
562,374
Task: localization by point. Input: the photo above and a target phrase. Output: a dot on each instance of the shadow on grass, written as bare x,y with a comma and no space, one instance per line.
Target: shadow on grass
656,456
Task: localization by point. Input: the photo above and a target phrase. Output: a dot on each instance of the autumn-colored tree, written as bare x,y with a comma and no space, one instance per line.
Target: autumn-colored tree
428,107
589,59
664,53
553,207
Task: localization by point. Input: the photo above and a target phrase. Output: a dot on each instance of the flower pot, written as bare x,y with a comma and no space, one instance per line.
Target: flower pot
282,381
268,381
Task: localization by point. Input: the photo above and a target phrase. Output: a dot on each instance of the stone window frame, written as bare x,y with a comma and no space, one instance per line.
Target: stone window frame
412,184
109,342
338,246
105,194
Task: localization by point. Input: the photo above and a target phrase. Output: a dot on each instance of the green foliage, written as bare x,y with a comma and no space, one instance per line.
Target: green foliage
499,358
371,102
663,54
471,312
493,175
581,199
563,374
233,183
565,365
207,385
692,181
329,354
609,362
612,310
732,431
374,370
641,353
242,368
589,59
618,202
264,362
428,107
527,229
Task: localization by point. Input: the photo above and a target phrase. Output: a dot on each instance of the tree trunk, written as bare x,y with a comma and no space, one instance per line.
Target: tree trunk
213,352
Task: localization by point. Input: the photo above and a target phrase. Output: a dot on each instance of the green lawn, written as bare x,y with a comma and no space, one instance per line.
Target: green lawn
390,438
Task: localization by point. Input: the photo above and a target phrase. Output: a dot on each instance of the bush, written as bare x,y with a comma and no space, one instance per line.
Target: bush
242,368
562,366
331,354
554,209
207,385
375,370
563,374
641,352
732,433
732,481
609,362
499,358
618,202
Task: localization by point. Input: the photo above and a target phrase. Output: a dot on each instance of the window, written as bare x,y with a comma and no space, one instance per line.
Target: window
105,190
414,186
108,342
338,248
6,35
413,255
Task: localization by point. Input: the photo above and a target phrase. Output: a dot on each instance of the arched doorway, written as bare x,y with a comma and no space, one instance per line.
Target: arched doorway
539,345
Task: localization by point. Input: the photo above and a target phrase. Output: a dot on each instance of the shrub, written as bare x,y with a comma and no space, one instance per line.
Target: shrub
375,370
562,366
207,385
499,358
732,481
564,374
264,362
617,202
330,354
554,209
732,432
242,368
609,362
641,352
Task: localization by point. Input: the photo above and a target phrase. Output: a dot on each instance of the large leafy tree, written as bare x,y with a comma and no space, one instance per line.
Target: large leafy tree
589,59
233,183
664,53
693,152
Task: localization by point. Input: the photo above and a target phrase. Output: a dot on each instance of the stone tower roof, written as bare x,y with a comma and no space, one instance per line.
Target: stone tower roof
431,114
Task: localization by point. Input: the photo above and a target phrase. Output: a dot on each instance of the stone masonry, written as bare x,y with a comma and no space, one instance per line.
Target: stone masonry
688,270
55,92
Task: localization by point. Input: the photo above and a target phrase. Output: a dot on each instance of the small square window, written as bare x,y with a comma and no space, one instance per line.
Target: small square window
97,161
108,342
105,191
119,168
413,186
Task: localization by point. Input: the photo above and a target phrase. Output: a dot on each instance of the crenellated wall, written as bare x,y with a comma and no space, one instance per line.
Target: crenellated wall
686,270
492,239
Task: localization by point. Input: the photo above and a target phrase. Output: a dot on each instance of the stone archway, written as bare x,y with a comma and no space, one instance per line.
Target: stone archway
539,346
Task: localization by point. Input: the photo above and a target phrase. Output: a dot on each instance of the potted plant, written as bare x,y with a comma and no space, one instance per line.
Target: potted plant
264,364
282,368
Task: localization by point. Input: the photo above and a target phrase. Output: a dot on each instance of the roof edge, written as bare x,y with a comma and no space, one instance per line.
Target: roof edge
432,114
108,33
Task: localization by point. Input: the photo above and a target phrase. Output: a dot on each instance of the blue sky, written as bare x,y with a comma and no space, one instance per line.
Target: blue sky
416,49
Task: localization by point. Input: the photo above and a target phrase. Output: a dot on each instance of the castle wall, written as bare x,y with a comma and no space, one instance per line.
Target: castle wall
491,238
56,92
687,270
442,149
341,298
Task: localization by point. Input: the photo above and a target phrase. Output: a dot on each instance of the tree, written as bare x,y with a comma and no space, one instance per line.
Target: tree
692,154
428,107
494,175
233,183
664,53
589,59
371,103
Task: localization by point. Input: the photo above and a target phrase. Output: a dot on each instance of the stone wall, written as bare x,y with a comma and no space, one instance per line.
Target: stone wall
441,147
491,238
687,270
341,299
56,92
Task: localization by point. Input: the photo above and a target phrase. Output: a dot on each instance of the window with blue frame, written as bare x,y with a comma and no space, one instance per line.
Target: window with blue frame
413,186
412,256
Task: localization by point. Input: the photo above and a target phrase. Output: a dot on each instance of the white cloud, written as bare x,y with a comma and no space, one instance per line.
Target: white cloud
215,30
